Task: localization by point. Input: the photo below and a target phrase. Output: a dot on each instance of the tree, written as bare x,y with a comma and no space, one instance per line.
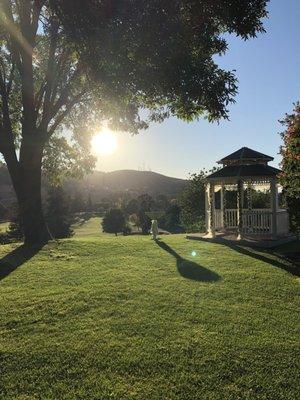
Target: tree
74,64
57,213
192,203
172,218
114,221
144,221
290,176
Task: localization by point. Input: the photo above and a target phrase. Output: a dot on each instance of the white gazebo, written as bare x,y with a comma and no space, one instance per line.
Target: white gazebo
243,171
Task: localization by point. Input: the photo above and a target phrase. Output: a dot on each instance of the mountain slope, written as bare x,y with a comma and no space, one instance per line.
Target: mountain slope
102,184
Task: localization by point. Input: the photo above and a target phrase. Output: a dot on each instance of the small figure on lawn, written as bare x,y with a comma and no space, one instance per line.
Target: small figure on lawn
154,229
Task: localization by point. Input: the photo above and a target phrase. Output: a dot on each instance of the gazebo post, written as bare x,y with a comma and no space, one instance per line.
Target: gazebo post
210,201
249,196
274,205
206,192
223,205
240,209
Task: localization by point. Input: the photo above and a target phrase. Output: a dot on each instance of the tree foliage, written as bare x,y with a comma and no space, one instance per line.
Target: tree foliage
58,216
114,221
290,176
192,203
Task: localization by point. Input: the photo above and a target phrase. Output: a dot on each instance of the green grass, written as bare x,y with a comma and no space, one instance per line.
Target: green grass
3,226
127,318
92,227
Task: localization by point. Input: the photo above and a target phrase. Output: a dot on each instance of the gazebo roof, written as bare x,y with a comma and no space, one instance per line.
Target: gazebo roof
245,154
243,171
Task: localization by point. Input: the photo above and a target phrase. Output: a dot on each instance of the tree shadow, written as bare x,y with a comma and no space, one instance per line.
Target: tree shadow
189,269
16,258
258,253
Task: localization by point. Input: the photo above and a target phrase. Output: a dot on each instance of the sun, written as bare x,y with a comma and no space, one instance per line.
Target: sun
104,143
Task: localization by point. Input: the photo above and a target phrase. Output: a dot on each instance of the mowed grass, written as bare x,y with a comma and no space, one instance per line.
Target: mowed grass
92,227
104,317
4,226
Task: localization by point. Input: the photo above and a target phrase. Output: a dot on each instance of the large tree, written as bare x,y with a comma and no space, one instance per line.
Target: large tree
290,176
68,65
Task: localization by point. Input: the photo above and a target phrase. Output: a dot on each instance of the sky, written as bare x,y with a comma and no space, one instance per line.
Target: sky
268,70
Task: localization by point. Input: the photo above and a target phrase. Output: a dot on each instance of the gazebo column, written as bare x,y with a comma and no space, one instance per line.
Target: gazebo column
274,205
240,187
223,205
210,202
249,196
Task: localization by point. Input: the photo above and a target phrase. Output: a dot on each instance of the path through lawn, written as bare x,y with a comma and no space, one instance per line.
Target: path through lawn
128,318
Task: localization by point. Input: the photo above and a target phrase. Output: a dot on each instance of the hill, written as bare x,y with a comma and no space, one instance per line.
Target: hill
105,184
102,184
99,317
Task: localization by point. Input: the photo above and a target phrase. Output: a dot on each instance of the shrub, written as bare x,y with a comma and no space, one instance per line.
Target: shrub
114,221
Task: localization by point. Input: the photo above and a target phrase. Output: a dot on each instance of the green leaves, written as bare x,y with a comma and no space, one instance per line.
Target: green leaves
290,176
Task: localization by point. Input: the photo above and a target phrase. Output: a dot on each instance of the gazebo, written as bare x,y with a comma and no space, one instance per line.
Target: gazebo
244,171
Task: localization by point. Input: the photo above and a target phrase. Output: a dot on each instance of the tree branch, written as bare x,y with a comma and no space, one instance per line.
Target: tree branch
50,67
64,113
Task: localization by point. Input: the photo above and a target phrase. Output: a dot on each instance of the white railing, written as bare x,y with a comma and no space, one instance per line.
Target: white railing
256,221
231,218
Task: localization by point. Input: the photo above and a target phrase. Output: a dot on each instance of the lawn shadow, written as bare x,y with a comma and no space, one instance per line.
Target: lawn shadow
189,269
16,258
257,253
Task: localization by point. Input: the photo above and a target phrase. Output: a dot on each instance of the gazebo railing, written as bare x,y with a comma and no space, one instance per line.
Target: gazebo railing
256,221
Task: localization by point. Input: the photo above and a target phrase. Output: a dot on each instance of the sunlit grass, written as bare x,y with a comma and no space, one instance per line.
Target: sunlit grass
104,317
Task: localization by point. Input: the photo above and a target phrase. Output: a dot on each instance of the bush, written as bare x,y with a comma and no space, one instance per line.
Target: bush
114,221
57,215
127,230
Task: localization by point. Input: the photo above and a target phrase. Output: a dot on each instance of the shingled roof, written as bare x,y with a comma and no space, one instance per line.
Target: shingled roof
245,154
243,171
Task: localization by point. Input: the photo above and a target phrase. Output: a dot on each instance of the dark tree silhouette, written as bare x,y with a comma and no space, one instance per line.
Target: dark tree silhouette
57,215
114,221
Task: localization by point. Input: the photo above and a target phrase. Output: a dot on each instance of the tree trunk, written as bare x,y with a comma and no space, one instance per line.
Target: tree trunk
26,179
30,206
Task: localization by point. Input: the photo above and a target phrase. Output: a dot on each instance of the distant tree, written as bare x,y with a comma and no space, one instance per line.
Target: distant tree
77,204
145,202
15,228
144,221
172,220
89,204
162,202
131,207
57,213
192,203
134,220
290,176
114,221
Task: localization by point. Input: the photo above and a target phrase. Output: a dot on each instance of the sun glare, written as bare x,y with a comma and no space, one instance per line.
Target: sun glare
104,143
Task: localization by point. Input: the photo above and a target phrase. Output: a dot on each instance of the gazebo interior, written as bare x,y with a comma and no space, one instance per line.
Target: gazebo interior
231,202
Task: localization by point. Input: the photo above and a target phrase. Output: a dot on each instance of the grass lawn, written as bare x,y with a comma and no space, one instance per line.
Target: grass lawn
3,226
92,227
104,317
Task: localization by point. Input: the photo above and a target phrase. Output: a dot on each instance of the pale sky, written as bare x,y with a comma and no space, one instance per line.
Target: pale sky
269,83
